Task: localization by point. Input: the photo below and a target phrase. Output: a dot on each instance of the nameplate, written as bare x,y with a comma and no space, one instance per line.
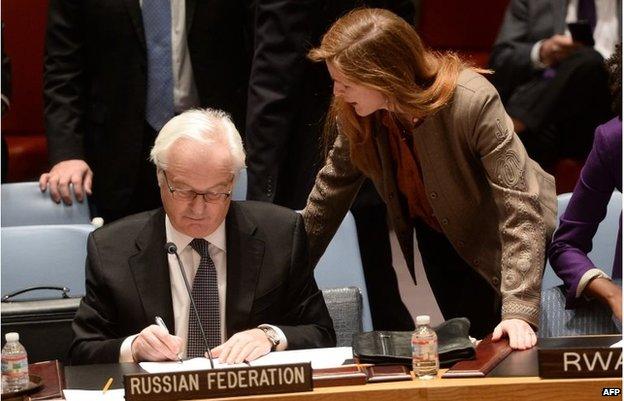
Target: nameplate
580,362
215,383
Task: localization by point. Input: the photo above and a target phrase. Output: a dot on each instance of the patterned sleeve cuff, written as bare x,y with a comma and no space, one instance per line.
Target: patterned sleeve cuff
587,277
521,310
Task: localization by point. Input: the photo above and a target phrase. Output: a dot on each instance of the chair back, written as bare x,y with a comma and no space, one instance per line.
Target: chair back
345,308
23,204
341,266
44,256
604,242
239,192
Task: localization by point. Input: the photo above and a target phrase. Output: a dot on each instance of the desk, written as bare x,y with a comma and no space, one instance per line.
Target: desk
521,383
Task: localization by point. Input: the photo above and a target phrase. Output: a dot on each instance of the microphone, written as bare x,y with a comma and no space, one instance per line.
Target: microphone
172,249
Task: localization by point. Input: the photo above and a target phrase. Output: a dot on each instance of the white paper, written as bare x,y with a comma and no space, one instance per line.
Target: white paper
189,364
319,357
94,395
619,344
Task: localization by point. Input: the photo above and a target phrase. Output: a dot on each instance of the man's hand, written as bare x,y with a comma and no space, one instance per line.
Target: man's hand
521,335
76,172
607,292
556,48
244,346
154,343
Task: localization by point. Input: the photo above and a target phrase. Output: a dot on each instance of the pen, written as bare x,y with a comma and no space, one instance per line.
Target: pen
162,324
107,385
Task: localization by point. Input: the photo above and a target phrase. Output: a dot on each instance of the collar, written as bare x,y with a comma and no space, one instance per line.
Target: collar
217,238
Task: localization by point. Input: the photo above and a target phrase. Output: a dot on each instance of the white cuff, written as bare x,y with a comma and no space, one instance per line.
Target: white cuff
535,56
283,341
125,351
587,277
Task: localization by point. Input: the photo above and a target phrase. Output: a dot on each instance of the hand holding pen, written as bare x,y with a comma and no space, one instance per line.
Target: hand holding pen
155,343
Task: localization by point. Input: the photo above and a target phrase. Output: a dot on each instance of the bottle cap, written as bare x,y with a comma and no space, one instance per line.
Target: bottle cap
423,319
11,337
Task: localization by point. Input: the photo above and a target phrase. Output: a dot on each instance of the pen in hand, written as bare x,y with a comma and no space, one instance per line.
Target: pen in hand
162,324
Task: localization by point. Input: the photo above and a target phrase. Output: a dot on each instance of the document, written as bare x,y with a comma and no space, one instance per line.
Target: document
94,395
319,357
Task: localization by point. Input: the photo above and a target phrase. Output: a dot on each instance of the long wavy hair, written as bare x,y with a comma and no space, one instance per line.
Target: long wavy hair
377,49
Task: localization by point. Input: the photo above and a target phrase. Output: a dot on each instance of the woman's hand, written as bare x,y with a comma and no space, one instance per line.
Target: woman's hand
521,335
607,292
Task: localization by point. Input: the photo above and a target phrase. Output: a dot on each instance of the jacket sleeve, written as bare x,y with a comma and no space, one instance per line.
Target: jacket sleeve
526,202
95,333
335,188
63,81
511,54
587,208
309,324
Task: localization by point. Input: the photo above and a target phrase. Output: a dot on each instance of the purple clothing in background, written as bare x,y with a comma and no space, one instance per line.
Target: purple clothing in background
601,175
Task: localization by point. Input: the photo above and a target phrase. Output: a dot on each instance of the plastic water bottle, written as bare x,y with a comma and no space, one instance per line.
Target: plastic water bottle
14,364
424,349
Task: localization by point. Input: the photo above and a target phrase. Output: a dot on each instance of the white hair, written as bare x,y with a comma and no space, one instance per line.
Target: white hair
206,126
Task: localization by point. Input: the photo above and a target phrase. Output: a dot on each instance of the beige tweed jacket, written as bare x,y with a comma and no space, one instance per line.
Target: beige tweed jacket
495,205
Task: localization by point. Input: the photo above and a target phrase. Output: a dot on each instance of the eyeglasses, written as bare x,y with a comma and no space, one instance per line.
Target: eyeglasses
189,195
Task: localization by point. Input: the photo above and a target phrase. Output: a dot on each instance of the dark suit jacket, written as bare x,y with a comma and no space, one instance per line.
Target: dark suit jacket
526,22
289,95
95,79
268,281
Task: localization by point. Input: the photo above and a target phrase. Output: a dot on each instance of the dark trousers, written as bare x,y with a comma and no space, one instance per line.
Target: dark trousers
145,193
387,309
458,289
562,109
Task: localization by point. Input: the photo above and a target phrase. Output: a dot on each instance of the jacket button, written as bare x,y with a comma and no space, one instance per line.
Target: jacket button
445,221
461,243
495,281
476,262
391,195
434,195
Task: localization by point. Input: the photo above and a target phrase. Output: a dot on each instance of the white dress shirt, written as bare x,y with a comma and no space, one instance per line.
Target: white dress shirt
179,296
184,90
605,34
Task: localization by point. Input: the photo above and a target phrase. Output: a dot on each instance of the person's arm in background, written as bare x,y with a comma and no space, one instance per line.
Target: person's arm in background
65,108
526,201
587,208
282,37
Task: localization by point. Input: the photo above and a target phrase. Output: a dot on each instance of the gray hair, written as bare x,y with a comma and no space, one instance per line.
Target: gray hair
206,126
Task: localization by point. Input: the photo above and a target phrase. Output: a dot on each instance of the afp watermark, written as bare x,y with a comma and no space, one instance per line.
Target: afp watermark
611,392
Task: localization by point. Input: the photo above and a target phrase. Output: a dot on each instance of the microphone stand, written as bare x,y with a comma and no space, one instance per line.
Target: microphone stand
171,248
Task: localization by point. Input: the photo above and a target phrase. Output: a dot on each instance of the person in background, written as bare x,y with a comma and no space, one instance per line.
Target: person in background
555,88
435,140
601,175
247,262
115,72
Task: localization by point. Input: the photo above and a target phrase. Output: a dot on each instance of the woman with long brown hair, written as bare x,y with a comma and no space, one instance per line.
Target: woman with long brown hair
433,136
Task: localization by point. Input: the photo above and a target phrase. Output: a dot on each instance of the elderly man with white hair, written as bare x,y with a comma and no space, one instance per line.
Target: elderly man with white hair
246,262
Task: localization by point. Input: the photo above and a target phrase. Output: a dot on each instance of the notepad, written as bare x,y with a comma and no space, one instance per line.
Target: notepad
94,395
320,358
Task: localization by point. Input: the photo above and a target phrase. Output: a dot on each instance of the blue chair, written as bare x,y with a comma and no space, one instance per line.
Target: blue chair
44,256
240,186
591,318
341,266
23,204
